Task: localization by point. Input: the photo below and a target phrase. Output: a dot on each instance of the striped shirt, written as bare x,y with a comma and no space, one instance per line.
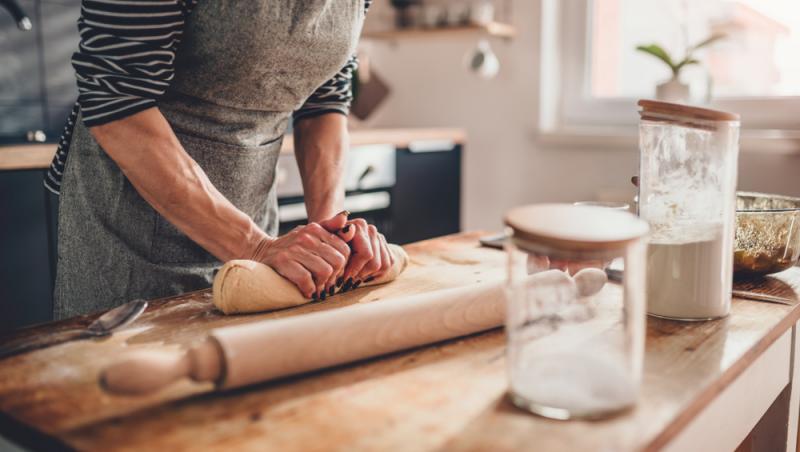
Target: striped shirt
125,62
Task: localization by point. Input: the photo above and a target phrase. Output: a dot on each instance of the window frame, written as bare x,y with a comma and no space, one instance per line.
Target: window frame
569,114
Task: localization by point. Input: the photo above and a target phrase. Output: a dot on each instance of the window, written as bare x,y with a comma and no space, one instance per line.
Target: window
590,59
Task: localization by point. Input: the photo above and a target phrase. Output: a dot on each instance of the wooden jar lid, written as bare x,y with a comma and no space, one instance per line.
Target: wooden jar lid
685,115
575,228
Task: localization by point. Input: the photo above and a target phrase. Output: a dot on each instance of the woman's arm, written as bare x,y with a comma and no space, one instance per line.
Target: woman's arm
151,157
320,143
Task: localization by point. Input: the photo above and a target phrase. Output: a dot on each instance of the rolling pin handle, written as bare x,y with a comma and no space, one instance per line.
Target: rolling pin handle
149,371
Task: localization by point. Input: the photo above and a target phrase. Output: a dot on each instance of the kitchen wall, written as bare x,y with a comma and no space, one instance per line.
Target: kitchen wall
37,82
504,165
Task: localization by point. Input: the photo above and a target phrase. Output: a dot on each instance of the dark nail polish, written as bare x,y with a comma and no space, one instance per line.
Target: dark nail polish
323,294
347,285
331,290
339,282
314,296
355,286
346,229
370,278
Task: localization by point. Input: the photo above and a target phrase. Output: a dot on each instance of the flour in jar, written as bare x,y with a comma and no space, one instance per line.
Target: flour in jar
583,383
689,273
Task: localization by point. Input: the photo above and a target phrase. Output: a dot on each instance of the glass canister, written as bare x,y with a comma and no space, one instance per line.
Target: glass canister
687,194
575,336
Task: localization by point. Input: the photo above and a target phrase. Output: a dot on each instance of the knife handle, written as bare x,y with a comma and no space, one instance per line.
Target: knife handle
29,344
148,371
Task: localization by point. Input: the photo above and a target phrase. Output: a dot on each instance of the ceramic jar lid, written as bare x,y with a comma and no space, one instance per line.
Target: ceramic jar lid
576,228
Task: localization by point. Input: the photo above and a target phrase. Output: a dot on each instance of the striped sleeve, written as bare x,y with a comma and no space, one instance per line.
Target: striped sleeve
335,95
126,54
124,63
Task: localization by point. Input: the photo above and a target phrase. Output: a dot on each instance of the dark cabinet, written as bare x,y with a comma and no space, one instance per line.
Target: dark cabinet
426,202
26,272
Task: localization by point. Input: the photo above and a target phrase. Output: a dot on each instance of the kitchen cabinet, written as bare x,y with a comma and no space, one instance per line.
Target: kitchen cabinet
26,237
426,202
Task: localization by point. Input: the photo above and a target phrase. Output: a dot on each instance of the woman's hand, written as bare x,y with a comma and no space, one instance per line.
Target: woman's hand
370,256
309,256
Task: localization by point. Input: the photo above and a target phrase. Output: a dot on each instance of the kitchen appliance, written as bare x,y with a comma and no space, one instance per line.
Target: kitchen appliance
575,341
369,176
687,193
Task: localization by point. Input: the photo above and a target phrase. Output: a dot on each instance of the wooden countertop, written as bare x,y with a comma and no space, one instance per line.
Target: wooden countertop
449,396
38,156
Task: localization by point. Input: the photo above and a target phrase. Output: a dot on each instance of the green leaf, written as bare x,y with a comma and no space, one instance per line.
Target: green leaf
685,62
706,42
658,52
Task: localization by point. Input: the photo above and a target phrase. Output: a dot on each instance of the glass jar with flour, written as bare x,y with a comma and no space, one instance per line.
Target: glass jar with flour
687,193
575,338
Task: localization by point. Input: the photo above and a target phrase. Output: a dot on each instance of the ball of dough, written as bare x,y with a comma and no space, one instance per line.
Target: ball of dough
243,286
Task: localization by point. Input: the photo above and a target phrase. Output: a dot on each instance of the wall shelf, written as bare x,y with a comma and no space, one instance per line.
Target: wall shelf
494,29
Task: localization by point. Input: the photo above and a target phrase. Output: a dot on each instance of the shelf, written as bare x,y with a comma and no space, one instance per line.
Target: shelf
495,29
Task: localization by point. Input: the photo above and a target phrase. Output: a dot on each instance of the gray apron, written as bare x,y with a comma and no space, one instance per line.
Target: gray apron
241,70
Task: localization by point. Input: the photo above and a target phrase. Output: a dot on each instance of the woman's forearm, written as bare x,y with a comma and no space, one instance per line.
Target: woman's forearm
151,157
320,144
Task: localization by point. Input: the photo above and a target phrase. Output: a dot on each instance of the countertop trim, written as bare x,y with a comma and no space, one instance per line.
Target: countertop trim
39,156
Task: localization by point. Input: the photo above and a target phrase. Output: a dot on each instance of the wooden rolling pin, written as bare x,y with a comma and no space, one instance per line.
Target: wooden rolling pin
245,354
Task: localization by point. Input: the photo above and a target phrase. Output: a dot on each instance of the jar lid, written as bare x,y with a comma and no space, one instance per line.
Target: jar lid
685,115
576,228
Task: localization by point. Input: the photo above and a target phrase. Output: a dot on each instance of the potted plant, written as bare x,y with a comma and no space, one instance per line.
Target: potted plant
674,90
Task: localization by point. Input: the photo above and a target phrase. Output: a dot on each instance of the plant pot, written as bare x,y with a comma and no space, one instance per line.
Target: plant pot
673,90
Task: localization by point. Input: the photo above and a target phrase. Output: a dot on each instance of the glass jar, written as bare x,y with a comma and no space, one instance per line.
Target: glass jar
687,194
575,322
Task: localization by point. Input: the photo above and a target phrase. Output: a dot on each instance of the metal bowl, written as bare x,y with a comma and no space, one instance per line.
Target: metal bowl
767,234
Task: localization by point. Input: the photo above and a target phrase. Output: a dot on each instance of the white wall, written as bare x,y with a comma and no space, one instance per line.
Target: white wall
503,164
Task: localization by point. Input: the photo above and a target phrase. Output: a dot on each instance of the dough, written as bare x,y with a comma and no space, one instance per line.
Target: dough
243,286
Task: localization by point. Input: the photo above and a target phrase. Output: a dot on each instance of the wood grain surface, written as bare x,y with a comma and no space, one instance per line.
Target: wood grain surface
39,156
450,396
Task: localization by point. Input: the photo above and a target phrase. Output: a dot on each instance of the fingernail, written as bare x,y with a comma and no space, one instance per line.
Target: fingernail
346,229
339,282
358,283
322,295
344,212
314,296
369,278
331,290
348,284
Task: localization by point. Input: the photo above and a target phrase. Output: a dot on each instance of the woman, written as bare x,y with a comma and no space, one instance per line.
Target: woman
167,164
